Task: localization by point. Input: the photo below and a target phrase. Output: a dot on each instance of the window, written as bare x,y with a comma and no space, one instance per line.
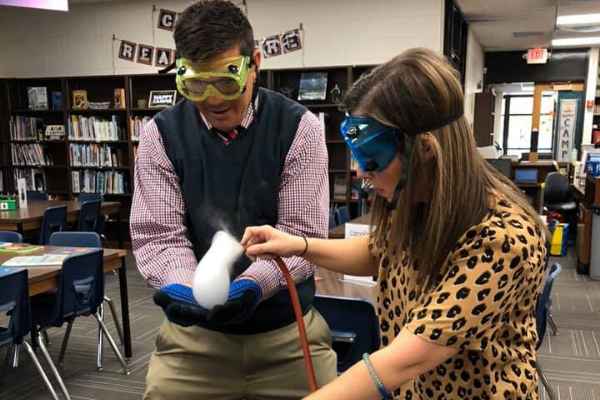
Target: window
517,110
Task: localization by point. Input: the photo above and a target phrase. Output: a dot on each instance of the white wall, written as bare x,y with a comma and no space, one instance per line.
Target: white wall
337,32
473,74
590,95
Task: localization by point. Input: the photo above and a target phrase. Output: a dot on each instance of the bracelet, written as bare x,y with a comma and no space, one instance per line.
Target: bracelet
305,246
382,390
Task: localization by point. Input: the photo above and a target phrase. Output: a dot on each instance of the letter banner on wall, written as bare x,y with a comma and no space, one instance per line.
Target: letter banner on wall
566,129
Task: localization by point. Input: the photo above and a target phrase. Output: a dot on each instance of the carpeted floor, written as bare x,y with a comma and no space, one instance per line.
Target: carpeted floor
571,360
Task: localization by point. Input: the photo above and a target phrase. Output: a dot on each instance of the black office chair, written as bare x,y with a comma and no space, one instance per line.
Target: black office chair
557,195
354,327
542,313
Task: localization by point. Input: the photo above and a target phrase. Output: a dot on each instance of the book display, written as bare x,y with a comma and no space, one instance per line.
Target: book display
85,140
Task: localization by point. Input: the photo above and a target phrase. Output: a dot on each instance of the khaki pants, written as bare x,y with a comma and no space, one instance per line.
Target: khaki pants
196,363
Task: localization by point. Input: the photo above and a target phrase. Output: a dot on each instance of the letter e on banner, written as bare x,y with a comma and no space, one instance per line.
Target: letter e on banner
145,54
271,46
127,50
166,19
291,41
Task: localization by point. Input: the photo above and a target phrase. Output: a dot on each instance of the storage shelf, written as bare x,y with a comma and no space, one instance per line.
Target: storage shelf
92,111
39,141
148,109
36,111
99,141
335,141
41,166
101,168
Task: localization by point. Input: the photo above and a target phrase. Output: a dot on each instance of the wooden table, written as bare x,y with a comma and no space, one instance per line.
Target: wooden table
330,283
338,231
45,278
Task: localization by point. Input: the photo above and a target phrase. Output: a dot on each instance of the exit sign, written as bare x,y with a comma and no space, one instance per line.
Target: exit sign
537,56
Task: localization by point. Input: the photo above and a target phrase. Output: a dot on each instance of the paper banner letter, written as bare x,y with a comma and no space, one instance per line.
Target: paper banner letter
271,46
166,19
163,57
291,41
127,50
145,54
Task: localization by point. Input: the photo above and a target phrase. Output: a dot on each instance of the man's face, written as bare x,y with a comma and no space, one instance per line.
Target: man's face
226,115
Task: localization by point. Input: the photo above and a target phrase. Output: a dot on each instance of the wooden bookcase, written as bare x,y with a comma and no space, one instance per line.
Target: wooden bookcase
62,159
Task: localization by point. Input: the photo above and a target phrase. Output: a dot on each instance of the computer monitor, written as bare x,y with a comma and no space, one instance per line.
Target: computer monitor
526,175
501,164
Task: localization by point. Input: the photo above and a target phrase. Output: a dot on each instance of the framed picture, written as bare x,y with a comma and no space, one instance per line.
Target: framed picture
162,98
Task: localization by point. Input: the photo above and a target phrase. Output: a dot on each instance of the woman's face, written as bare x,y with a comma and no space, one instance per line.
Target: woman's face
384,182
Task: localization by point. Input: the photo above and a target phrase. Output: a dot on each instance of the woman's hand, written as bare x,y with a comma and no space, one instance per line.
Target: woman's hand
266,242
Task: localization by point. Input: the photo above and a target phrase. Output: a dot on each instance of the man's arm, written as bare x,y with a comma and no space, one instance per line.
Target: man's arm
162,250
303,204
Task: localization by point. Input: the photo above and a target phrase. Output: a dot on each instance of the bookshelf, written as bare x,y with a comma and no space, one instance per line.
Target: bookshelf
97,151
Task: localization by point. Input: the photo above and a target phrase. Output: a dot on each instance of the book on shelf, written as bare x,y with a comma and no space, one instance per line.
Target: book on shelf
95,128
57,100
30,261
37,98
339,187
26,128
95,155
80,100
313,86
17,248
119,94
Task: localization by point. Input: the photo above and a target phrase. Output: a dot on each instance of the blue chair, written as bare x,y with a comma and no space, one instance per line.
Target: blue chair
54,220
80,292
342,215
332,223
32,195
89,197
89,216
83,197
10,237
542,312
354,327
14,301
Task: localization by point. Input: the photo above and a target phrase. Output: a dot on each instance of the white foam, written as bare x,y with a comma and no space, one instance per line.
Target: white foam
211,279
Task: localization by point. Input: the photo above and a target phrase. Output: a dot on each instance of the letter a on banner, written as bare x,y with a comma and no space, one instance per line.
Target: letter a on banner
271,46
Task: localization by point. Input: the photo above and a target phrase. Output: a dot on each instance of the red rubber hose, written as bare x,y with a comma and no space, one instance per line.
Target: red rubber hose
312,381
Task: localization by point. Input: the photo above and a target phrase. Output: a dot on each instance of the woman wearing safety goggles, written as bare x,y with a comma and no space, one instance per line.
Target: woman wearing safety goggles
459,252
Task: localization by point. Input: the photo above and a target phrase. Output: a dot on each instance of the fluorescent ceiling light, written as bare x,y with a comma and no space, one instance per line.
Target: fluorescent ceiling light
582,41
578,19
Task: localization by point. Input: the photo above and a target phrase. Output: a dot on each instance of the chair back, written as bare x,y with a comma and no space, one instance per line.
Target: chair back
342,215
11,237
80,286
89,197
55,220
33,195
544,303
557,189
89,216
332,223
75,239
354,327
14,302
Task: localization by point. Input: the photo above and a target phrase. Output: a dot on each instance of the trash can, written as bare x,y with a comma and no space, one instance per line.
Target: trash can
595,250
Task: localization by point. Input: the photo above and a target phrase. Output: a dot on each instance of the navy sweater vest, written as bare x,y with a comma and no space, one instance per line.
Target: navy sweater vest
235,186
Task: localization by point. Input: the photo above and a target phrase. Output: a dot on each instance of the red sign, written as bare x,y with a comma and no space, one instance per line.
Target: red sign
537,56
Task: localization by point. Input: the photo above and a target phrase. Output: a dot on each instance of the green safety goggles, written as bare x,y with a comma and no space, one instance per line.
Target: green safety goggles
225,79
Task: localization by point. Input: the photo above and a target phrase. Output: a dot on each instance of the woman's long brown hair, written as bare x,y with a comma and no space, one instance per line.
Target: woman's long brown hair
415,89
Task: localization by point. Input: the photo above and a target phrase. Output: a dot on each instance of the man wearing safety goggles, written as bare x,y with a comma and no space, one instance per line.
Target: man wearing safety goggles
228,156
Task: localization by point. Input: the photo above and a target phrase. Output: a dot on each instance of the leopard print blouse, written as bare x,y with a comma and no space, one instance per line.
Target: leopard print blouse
483,303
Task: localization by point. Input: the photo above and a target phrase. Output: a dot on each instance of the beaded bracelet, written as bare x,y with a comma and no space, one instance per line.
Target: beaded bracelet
382,390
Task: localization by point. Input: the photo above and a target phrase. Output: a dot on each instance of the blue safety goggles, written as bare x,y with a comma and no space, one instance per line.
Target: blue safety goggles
373,145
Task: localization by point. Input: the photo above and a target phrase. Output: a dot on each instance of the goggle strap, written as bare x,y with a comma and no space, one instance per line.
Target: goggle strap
435,126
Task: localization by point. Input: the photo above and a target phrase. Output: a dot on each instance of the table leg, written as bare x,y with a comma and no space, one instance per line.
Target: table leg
119,230
125,308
